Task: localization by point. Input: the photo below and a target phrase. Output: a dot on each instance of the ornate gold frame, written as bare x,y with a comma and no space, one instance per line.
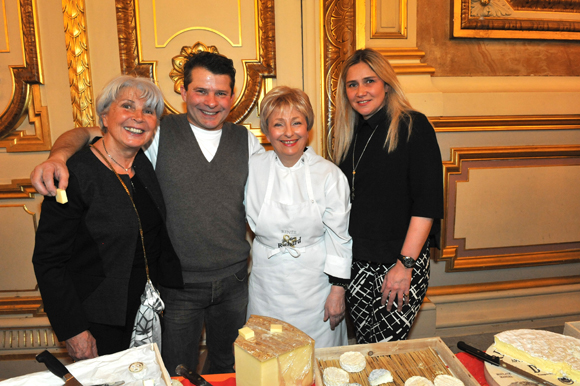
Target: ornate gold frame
539,26
256,70
505,123
453,250
26,92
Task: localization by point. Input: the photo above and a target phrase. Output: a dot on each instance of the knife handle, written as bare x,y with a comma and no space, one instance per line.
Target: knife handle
478,353
53,364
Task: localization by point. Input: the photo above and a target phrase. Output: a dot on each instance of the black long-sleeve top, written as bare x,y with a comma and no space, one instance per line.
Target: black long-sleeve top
390,188
85,250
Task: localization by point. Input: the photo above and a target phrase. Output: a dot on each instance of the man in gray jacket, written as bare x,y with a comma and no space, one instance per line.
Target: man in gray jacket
201,162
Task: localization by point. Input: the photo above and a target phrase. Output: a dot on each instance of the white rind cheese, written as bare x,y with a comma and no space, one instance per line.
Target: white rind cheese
267,359
380,376
447,380
548,351
418,381
333,376
352,361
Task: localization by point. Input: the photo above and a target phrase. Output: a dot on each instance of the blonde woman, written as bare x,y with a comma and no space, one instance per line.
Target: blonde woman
391,158
297,205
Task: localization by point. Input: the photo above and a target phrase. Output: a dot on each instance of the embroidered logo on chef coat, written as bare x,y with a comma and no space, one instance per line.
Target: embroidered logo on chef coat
288,241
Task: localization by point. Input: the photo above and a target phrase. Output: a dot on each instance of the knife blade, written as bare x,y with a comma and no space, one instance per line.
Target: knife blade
191,376
497,361
57,368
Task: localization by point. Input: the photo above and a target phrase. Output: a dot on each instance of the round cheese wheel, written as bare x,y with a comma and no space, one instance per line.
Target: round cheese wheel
418,381
380,376
333,376
447,380
353,361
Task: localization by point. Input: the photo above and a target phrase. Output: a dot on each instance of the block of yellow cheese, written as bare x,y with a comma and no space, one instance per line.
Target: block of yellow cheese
270,359
246,332
61,196
548,351
274,328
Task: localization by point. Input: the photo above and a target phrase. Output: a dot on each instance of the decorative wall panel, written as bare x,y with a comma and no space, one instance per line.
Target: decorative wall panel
338,23
510,207
25,92
18,228
389,19
256,70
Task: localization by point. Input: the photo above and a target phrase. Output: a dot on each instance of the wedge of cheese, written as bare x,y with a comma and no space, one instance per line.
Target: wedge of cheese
269,359
548,351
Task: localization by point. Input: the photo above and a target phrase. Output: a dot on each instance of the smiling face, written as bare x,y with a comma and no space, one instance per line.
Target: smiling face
129,121
365,91
209,99
288,134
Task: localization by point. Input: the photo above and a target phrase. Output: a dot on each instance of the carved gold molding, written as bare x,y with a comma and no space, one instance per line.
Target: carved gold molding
176,74
21,188
26,92
18,305
79,71
505,123
256,70
501,286
401,53
338,22
453,251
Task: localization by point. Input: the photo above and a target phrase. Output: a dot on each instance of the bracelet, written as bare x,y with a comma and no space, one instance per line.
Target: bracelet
343,285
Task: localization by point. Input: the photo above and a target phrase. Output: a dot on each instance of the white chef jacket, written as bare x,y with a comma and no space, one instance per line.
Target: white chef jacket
283,284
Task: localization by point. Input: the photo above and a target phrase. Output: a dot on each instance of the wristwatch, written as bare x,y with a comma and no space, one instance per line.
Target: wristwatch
407,261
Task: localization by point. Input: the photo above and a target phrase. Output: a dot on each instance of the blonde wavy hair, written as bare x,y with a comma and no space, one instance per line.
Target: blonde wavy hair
398,105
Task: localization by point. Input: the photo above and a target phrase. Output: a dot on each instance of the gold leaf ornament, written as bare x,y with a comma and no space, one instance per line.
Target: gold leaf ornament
178,61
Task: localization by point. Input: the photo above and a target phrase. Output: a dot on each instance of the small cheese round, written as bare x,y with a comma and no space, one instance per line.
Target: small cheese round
380,376
138,370
353,361
447,380
418,381
333,376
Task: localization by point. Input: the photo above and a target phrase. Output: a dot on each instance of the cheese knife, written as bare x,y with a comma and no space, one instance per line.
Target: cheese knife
497,361
191,376
58,369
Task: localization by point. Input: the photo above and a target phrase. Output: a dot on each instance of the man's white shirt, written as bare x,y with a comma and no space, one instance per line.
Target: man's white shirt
208,140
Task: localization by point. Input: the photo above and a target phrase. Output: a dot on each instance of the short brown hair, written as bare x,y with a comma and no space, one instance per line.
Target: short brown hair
284,97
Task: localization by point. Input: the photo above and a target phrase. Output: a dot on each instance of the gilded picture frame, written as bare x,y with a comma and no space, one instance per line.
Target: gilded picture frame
516,19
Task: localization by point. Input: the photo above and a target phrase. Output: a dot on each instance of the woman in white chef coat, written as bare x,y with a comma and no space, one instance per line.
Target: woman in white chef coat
297,204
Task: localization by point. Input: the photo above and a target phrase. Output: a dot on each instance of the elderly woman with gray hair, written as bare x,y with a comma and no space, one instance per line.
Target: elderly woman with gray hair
95,253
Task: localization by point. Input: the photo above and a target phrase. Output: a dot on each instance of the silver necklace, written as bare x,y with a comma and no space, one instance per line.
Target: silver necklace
122,167
354,166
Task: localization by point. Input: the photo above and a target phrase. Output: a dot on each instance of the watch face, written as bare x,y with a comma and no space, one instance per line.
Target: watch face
407,261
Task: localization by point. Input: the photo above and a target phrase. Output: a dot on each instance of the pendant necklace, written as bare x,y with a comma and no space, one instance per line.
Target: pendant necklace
354,166
122,167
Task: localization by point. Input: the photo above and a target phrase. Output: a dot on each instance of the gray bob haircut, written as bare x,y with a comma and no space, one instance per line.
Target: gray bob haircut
148,91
